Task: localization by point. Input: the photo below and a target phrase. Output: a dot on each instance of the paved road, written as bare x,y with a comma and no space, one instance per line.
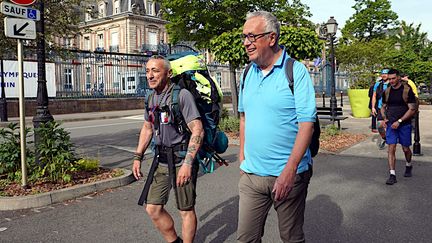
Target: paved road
111,140
347,201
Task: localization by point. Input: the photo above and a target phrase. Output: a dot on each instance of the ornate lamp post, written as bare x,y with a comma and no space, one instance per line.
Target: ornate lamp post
42,113
331,27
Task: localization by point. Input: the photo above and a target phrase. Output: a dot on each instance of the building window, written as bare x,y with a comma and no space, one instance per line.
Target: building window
87,43
149,8
116,6
67,42
68,79
88,16
219,78
152,41
114,47
102,12
100,41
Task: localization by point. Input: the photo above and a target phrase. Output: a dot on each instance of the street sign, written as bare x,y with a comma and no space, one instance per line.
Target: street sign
20,28
23,2
19,11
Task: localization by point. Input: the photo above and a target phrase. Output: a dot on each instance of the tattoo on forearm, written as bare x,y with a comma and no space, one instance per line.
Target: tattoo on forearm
188,160
196,139
191,149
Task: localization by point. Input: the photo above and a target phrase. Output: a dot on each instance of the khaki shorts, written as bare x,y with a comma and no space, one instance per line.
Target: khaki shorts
161,187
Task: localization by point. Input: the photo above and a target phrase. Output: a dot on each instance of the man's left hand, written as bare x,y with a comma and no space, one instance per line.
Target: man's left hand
184,175
283,185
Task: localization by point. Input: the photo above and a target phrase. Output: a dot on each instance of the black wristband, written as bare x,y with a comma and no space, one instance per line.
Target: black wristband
138,156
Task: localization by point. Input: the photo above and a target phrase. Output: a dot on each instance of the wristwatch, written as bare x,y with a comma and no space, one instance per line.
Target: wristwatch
400,120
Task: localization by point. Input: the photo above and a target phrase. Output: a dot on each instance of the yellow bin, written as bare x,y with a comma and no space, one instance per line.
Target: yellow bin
359,101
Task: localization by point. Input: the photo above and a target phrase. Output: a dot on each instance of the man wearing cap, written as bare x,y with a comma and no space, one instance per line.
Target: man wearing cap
378,91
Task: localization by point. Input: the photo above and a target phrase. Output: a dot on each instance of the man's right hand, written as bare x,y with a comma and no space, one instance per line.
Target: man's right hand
136,169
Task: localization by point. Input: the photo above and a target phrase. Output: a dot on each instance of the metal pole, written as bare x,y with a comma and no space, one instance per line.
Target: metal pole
3,102
341,92
333,101
22,113
417,145
42,113
323,97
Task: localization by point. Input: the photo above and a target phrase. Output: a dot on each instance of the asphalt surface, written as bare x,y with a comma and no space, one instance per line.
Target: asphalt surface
348,201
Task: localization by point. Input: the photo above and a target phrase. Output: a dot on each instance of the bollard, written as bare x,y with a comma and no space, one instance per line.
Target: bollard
341,92
323,97
417,145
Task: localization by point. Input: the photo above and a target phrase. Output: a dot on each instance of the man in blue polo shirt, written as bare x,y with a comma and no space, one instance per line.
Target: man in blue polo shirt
275,131
378,91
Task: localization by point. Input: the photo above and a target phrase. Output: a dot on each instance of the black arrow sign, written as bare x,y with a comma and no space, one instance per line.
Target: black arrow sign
18,31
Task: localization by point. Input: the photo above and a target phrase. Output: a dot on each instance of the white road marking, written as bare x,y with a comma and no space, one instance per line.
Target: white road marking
3,229
8,219
137,117
101,125
128,149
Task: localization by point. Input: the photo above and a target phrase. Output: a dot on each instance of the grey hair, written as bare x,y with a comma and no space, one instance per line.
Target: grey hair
272,24
167,64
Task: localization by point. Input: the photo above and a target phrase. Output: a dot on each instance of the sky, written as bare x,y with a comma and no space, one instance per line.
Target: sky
412,11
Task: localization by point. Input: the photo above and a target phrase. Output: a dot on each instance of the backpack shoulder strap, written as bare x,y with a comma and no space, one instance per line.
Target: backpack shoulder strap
406,90
245,74
175,109
289,73
387,93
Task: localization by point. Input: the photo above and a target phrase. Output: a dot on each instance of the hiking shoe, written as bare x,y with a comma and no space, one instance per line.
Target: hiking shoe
381,143
391,180
408,170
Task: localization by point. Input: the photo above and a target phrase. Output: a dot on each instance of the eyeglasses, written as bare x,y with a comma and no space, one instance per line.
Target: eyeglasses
252,38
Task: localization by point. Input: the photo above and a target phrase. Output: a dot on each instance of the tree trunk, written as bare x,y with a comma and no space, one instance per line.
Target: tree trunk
234,91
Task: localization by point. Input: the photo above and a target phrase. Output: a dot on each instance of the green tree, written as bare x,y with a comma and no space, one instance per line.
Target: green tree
300,42
372,19
217,24
362,60
201,21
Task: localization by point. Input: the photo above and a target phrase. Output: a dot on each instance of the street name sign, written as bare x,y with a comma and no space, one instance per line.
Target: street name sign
19,11
20,28
23,2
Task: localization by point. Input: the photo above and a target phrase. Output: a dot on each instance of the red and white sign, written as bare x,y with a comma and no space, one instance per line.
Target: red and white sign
23,2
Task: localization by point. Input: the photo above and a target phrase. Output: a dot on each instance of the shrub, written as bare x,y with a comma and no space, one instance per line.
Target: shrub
56,153
330,131
230,124
10,151
87,164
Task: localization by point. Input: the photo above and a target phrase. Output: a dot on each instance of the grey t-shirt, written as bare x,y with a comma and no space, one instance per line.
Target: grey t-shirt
167,134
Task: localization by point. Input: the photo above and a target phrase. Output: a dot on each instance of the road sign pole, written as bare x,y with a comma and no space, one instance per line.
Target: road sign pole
22,113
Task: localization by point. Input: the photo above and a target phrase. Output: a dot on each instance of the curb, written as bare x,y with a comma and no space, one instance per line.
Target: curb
47,198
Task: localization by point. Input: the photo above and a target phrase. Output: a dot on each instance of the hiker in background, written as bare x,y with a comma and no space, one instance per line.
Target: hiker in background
276,128
174,164
399,106
373,117
405,77
378,90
